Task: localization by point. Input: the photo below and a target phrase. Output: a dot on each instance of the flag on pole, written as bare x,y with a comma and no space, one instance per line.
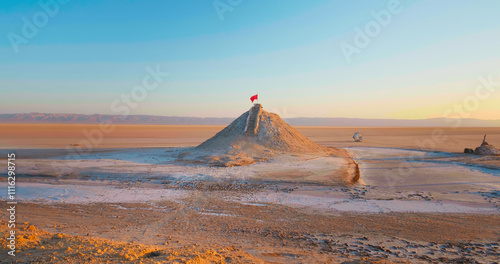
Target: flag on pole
255,97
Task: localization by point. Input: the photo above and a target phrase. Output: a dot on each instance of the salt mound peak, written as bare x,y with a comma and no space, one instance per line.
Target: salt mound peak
256,135
261,128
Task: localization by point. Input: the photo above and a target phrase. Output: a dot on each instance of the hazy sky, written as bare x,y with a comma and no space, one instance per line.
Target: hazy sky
83,56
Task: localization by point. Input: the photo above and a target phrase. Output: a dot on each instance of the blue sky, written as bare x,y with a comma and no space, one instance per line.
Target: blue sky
424,62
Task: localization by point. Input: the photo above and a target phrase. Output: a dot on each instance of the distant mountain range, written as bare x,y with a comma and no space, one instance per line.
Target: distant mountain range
45,118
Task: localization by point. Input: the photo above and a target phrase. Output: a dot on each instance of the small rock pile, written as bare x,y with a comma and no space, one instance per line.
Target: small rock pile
484,149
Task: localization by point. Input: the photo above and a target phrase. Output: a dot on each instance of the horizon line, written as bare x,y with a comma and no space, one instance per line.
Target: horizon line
295,117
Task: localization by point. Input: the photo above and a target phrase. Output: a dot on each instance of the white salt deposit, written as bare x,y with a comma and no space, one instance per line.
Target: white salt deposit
396,180
83,194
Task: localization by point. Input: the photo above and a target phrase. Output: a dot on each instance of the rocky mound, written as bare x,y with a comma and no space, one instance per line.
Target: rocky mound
255,136
486,149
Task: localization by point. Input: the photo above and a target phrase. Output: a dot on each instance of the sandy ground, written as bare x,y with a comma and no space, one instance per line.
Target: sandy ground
39,136
120,203
430,139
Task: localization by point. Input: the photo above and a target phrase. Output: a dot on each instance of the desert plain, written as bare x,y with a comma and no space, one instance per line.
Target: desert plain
403,195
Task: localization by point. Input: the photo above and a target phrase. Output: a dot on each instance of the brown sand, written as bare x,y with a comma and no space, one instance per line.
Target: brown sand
39,136
276,234
434,139
34,136
206,228
57,136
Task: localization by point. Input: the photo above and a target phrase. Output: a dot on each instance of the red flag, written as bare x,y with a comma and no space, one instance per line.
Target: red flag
255,97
